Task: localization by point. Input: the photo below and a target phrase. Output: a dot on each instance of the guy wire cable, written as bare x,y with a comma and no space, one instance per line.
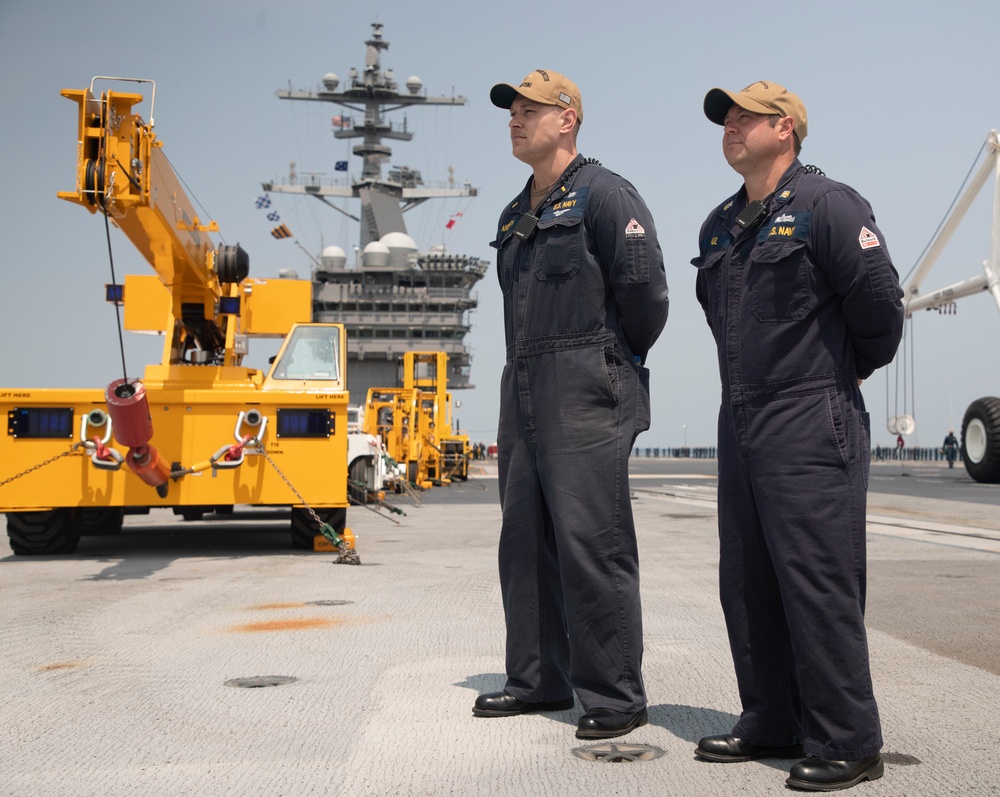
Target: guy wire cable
947,213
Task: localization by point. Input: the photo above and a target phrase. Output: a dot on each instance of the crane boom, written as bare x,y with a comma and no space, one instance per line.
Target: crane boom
989,280
122,170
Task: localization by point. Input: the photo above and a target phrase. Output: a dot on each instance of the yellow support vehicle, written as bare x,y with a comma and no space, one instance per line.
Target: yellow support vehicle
447,451
414,422
391,414
199,431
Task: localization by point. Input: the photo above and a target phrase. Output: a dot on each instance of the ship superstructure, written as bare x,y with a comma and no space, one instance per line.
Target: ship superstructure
392,298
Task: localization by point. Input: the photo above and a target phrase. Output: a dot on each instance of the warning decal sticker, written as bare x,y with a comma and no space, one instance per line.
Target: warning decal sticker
868,239
634,230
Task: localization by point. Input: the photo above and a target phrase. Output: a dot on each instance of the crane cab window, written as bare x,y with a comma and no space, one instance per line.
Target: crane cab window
311,353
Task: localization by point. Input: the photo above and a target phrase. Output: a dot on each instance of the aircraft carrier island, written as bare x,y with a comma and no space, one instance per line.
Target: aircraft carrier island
391,296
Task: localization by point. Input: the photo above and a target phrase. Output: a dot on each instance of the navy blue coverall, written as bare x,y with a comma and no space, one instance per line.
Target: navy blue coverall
585,297
802,304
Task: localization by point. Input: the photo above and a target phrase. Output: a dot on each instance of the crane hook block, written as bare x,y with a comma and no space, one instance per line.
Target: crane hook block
146,463
129,411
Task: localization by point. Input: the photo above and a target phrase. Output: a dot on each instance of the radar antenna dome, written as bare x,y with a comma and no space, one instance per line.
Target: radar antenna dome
414,84
333,257
375,253
398,240
331,81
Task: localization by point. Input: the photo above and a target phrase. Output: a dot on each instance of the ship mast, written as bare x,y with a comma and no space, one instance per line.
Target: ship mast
373,94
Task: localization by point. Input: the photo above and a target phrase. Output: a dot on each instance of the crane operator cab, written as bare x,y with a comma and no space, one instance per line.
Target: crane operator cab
311,353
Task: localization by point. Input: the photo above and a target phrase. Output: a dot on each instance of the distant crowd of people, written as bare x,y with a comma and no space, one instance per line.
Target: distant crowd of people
949,451
482,451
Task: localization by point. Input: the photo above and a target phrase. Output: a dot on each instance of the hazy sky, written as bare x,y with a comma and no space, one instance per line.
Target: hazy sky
900,96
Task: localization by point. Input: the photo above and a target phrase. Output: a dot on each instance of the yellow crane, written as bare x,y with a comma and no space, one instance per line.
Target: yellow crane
199,431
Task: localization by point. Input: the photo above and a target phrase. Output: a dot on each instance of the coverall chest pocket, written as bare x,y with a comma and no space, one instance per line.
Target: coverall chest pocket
779,281
505,261
557,249
709,287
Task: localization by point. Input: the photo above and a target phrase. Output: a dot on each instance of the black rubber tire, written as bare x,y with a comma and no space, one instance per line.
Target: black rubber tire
99,521
304,528
38,533
192,512
983,463
357,474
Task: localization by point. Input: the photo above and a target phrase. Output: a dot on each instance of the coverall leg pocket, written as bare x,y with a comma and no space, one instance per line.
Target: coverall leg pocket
642,409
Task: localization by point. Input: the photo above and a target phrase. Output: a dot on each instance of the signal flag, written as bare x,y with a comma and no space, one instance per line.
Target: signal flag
263,202
451,221
341,166
281,232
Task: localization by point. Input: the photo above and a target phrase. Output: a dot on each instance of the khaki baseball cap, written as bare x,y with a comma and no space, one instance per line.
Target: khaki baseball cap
544,86
760,97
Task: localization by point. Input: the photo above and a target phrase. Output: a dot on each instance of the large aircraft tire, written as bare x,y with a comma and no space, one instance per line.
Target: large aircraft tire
50,531
981,440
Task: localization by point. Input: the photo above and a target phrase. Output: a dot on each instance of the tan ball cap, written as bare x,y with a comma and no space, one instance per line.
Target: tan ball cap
544,86
760,97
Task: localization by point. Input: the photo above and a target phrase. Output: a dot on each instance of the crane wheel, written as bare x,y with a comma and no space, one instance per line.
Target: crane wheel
99,520
304,528
46,532
981,440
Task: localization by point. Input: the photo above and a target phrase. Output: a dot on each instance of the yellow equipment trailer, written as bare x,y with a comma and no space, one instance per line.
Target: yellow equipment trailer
199,431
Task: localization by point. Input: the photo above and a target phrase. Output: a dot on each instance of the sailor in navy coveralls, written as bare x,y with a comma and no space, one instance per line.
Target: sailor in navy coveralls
804,304
585,296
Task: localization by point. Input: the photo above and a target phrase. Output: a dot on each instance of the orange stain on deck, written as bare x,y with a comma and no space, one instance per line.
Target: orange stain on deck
60,665
288,625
